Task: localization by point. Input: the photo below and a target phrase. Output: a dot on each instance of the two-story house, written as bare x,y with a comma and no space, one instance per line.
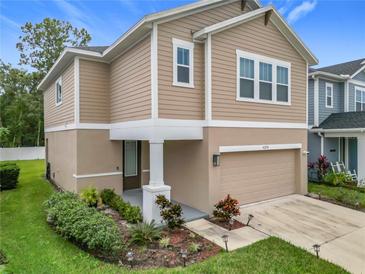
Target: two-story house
336,114
194,103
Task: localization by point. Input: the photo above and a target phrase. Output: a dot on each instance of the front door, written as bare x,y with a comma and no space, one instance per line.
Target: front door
131,166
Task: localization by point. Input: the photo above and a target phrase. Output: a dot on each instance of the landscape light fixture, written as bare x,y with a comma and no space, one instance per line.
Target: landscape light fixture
317,248
216,159
184,255
319,195
225,240
130,258
250,216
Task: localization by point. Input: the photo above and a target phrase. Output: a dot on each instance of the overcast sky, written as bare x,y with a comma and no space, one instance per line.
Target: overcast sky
333,29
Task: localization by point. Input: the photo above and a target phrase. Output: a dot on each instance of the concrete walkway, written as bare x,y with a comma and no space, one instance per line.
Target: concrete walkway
236,238
305,221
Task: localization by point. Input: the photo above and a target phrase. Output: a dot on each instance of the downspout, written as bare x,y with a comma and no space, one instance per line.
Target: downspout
320,134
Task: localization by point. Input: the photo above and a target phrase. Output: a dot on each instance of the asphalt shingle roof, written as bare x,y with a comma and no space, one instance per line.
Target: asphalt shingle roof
99,49
347,68
344,120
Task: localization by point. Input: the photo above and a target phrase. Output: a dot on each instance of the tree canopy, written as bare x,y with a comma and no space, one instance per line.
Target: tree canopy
21,104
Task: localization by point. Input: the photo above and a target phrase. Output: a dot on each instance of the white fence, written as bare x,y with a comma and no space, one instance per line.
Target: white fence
22,153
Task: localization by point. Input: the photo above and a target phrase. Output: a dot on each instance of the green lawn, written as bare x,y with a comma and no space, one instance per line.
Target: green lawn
340,194
31,246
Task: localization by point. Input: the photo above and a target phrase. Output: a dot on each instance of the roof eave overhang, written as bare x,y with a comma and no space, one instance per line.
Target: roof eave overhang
276,19
338,130
328,74
359,70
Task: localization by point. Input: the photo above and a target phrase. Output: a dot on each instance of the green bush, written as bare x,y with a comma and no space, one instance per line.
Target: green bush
74,220
144,233
170,213
90,196
193,248
337,179
9,173
131,214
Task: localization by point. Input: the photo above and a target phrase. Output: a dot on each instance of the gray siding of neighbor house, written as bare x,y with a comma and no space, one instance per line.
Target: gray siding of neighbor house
338,98
314,147
352,96
360,76
331,149
310,102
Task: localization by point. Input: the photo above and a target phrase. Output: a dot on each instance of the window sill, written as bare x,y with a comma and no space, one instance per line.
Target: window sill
58,104
329,107
258,101
183,85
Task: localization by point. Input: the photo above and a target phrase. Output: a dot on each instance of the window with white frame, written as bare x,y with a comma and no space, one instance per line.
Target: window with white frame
262,79
360,99
329,95
58,92
183,56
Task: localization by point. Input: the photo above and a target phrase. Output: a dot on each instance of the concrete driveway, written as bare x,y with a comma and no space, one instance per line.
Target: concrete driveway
304,221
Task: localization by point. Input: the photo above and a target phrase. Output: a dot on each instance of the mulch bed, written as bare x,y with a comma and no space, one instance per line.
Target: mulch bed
236,224
153,255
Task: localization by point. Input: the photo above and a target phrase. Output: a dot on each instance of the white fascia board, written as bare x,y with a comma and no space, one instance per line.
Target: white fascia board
359,130
357,82
327,74
358,71
275,18
232,22
263,147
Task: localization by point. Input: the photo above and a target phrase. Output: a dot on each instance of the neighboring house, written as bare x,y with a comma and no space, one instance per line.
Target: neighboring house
336,114
193,103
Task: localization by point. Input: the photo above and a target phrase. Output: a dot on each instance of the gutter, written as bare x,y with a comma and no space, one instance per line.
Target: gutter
352,130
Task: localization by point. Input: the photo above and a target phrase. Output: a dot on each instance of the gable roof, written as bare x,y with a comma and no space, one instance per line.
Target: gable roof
347,68
136,32
275,18
344,120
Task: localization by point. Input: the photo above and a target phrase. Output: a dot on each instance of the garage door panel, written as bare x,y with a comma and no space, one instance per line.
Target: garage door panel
257,176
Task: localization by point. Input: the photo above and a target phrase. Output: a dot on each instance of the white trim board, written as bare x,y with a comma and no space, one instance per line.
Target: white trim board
263,147
97,175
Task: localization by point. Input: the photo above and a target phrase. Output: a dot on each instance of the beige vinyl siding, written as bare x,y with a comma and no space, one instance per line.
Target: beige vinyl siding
64,113
94,92
130,84
256,38
180,102
257,176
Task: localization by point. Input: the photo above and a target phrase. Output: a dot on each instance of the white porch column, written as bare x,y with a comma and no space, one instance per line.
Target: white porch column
156,185
361,157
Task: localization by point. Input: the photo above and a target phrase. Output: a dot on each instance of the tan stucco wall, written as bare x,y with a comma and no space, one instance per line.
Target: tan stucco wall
180,102
62,157
254,136
255,37
64,113
186,171
94,92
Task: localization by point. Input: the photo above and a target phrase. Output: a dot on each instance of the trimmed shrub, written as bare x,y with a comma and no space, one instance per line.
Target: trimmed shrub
90,196
74,220
132,214
144,233
9,174
337,179
170,213
226,209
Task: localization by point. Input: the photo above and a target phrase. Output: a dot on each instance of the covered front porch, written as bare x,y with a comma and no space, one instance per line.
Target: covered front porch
135,197
342,138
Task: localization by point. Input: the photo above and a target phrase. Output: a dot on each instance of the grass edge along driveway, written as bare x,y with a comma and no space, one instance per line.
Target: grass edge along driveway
31,246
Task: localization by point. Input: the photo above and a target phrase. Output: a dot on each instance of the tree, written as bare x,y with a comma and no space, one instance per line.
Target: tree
42,43
21,105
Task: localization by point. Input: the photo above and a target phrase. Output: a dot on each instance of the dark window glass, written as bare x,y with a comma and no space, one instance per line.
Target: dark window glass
246,88
183,74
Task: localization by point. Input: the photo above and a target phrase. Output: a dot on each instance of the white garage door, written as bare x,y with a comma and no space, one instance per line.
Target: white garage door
257,176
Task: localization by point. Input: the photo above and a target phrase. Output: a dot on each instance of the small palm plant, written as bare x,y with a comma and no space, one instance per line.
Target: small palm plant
145,233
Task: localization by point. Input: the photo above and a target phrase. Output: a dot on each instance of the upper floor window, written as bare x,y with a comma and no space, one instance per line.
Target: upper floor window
262,79
360,99
329,95
59,92
183,63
